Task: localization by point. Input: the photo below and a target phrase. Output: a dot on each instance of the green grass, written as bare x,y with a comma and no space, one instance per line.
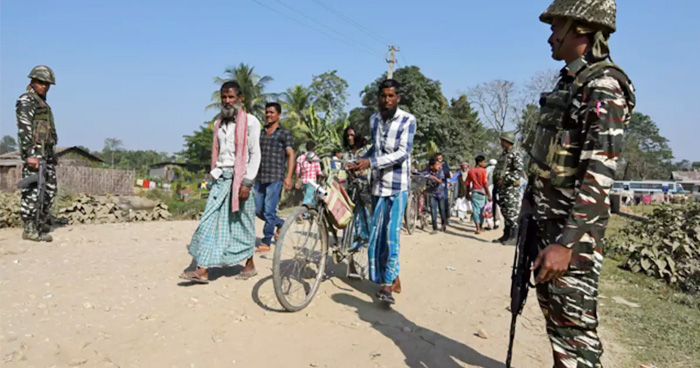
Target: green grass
615,224
642,209
664,330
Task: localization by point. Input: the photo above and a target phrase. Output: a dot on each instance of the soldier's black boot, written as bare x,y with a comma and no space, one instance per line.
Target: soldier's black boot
45,237
506,232
30,232
512,236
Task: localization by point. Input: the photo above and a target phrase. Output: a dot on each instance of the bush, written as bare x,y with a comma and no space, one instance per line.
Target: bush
190,210
9,210
666,247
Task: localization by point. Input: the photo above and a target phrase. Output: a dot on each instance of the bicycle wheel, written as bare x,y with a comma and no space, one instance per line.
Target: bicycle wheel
299,261
411,214
422,213
358,260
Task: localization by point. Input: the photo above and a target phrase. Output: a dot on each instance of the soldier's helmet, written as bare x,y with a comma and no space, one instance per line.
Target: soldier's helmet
43,73
508,137
597,13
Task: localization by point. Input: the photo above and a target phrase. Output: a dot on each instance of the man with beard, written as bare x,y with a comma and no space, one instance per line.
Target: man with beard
389,157
226,233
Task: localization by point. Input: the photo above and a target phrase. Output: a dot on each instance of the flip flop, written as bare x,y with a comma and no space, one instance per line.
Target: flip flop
193,277
386,297
246,275
263,248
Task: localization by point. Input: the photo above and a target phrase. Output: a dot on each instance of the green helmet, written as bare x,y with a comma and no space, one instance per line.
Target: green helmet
43,73
600,13
508,137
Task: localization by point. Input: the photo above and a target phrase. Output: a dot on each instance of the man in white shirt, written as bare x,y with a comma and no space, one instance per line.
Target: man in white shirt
390,160
226,233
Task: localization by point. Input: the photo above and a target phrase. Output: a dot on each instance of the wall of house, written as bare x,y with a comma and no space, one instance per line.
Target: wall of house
88,180
9,176
157,172
78,180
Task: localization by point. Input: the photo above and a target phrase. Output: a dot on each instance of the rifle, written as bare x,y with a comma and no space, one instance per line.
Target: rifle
40,179
525,254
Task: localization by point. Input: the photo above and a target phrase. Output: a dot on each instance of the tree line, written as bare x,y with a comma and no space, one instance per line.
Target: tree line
460,127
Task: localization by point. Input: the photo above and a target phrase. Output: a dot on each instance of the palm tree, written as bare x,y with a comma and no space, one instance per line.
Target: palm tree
294,101
323,130
252,87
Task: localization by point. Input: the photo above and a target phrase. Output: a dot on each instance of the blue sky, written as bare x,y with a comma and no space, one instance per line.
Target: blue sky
142,71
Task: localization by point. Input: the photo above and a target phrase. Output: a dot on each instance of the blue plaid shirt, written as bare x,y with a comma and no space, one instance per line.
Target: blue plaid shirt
390,154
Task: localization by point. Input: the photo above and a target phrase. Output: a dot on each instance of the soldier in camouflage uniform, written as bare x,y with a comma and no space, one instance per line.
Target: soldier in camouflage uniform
507,179
573,157
37,141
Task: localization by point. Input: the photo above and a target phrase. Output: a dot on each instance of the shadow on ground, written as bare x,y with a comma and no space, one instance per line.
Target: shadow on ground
421,346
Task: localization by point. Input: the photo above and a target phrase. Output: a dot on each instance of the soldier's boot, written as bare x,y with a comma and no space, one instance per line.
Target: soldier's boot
512,236
30,232
45,228
45,233
506,232
45,237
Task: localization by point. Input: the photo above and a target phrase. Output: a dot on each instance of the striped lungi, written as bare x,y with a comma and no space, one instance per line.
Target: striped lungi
384,237
224,238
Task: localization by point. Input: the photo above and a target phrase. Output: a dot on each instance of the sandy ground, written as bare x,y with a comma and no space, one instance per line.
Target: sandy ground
110,296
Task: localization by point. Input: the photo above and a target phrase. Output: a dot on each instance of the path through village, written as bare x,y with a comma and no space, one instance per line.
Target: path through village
109,296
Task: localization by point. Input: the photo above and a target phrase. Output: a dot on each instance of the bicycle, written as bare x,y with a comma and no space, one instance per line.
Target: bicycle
301,253
420,203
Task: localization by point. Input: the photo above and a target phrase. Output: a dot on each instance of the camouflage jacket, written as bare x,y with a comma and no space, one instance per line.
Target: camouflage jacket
36,130
576,146
508,170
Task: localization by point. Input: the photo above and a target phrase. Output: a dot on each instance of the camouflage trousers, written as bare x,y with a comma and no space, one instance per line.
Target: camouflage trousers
30,197
570,303
509,202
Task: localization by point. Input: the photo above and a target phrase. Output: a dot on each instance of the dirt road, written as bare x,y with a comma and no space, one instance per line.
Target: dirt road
110,296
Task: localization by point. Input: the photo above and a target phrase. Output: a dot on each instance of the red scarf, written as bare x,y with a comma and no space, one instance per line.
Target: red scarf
241,152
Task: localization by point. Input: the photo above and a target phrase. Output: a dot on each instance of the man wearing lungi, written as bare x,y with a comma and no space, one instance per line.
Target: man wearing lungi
389,157
226,233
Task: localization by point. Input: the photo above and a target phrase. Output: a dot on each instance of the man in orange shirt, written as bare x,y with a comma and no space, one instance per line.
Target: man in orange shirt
478,190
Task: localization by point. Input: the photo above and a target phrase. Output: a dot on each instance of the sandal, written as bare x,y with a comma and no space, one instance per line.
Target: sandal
263,248
192,276
245,275
385,296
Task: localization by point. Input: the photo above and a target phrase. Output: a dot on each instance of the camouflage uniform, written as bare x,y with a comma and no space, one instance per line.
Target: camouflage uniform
574,153
507,176
37,138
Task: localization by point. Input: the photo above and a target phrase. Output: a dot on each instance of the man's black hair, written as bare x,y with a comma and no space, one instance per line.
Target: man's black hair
432,161
277,106
231,85
390,83
479,159
310,145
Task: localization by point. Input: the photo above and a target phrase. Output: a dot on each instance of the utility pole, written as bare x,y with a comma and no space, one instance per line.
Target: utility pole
391,61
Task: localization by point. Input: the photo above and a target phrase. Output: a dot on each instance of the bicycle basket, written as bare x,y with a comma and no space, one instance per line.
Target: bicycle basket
339,205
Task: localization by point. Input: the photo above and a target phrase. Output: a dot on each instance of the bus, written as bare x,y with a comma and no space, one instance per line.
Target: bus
648,187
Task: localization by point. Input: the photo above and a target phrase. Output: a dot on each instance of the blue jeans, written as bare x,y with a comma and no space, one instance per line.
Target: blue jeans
267,196
309,192
435,204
